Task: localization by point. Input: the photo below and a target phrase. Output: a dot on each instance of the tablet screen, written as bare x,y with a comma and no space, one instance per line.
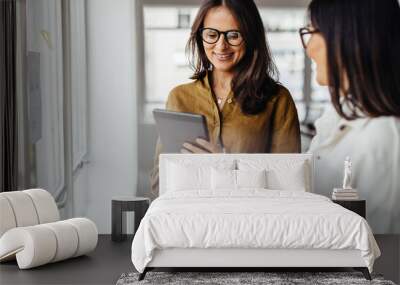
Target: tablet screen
176,128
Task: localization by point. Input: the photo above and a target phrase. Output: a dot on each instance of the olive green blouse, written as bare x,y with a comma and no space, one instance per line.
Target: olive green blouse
275,130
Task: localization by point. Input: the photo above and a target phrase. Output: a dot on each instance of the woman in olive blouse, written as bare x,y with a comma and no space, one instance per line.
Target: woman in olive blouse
247,111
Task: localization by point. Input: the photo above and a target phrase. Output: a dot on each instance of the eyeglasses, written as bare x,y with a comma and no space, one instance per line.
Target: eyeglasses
306,34
211,36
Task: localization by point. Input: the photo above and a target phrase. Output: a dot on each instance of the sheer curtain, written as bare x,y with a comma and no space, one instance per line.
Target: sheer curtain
8,114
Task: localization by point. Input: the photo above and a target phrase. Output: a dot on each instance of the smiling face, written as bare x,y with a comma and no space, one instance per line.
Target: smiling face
223,56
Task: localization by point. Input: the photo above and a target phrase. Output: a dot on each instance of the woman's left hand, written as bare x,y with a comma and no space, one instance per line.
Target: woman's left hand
206,147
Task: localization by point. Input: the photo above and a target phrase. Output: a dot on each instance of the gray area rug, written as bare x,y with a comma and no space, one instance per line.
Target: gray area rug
229,278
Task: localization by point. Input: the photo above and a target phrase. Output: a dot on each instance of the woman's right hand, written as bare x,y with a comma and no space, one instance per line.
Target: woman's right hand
205,147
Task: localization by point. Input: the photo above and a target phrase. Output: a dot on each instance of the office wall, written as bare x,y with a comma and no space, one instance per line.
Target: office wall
112,141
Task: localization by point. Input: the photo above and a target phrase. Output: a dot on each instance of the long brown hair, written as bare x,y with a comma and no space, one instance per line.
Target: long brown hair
253,83
363,41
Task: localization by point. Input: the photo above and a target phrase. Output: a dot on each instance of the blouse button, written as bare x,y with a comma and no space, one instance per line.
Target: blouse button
318,157
229,100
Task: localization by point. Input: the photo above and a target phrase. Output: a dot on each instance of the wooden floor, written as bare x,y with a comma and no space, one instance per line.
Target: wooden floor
110,260
103,266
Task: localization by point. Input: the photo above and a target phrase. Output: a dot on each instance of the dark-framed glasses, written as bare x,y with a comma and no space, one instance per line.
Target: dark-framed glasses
211,36
306,34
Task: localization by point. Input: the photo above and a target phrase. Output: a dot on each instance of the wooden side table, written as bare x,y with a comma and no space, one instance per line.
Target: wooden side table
357,206
119,206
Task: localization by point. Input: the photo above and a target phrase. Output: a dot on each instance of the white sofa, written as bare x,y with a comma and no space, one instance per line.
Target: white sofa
31,231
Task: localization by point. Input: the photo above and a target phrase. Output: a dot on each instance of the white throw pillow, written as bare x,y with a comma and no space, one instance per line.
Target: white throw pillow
251,178
282,174
181,177
226,179
290,179
223,179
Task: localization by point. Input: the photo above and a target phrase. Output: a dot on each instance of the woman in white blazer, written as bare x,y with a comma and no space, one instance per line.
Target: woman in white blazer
356,47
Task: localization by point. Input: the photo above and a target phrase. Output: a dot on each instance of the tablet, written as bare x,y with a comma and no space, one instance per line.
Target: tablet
175,128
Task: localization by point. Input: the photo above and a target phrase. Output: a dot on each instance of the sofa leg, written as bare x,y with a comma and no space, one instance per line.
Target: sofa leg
143,274
364,271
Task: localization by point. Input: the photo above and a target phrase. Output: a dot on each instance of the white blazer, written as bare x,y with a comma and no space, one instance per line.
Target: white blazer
374,147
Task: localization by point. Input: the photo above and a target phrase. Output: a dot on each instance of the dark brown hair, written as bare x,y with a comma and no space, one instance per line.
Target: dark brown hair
363,42
253,83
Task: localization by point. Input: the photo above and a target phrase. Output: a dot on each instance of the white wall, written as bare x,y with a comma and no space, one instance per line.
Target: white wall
112,167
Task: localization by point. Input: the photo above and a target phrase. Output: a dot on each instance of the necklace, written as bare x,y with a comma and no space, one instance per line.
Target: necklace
221,100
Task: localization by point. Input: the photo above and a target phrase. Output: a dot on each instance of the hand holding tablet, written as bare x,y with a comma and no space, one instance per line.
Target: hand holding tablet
183,132
206,147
